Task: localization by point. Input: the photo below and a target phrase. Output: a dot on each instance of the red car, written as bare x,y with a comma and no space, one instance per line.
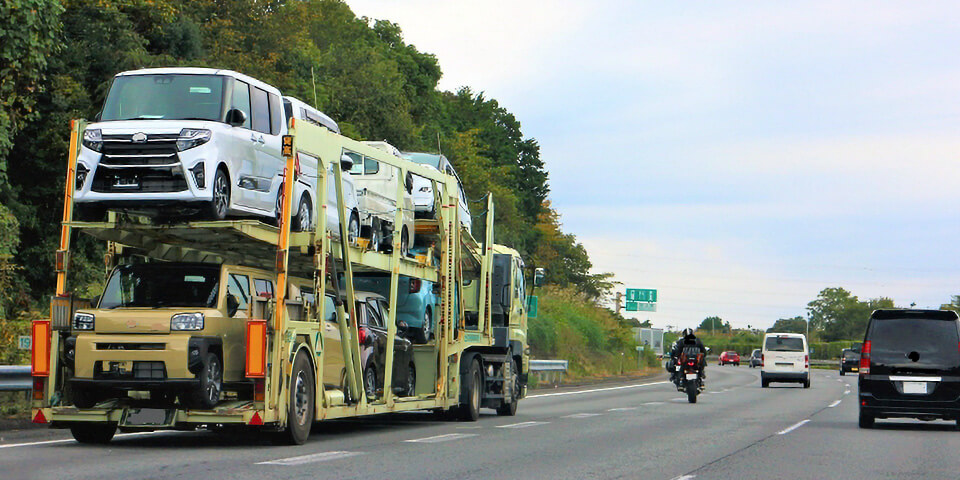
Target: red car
730,357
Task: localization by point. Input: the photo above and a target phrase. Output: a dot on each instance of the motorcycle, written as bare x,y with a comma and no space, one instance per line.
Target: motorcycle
688,377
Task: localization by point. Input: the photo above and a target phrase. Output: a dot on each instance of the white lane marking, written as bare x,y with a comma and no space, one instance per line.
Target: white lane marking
582,415
839,379
846,385
578,392
655,403
522,425
793,427
685,477
834,404
311,458
442,438
621,409
846,392
70,440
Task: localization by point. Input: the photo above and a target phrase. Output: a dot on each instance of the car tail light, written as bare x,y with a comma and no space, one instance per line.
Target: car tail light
39,384
363,336
806,361
415,284
762,355
296,169
258,389
865,358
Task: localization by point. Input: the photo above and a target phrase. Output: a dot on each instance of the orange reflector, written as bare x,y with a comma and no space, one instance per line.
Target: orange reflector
38,387
256,365
40,353
255,419
39,418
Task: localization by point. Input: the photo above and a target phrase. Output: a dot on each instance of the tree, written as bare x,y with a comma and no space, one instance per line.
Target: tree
842,316
714,324
789,325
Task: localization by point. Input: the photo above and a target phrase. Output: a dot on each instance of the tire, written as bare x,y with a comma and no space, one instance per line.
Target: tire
300,407
220,204
404,243
510,409
806,383
841,372
207,393
691,393
375,236
353,228
423,334
94,433
84,398
370,383
303,220
866,420
764,382
470,385
410,389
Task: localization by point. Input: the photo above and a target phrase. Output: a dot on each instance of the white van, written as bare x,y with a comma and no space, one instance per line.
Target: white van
377,185
178,141
785,358
423,189
304,211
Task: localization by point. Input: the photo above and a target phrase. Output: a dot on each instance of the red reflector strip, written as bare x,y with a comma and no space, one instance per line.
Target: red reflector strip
256,361
39,417
255,419
40,353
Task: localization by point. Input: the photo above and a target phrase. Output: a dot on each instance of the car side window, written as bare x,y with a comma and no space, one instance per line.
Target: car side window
370,166
239,286
240,100
329,309
357,168
260,104
264,288
275,114
373,316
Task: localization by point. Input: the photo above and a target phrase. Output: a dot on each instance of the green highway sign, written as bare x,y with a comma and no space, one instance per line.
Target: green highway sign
532,306
642,295
23,342
641,307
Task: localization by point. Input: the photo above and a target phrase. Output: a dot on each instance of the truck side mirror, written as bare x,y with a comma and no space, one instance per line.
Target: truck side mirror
408,182
232,305
539,276
236,117
346,163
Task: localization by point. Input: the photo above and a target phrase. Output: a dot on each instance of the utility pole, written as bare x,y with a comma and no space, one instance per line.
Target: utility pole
617,300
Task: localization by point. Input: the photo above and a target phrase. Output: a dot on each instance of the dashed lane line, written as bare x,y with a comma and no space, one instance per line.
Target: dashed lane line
793,427
311,458
834,404
582,415
621,409
580,392
442,438
522,425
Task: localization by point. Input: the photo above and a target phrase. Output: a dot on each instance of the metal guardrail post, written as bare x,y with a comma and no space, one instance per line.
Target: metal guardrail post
15,378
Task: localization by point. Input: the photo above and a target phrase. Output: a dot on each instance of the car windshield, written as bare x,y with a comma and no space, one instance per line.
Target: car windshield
424,159
155,285
914,343
784,344
165,97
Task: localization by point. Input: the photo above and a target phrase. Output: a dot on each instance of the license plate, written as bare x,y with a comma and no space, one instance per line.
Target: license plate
127,182
914,387
691,376
147,417
854,369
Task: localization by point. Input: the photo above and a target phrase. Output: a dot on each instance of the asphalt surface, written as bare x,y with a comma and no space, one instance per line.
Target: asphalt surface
633,430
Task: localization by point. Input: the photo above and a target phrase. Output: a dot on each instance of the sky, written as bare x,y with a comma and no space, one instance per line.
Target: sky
739,157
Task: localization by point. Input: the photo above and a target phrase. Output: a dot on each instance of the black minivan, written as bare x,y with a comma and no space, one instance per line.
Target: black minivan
910,366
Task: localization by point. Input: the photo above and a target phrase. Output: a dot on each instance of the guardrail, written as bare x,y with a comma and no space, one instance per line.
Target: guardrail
549,371
15,378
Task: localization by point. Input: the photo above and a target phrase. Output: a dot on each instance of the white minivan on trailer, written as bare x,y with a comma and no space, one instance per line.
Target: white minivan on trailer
785,358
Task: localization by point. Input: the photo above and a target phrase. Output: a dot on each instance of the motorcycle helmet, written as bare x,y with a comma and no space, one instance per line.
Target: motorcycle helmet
688,333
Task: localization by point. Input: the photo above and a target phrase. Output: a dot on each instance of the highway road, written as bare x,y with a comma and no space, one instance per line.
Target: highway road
635,430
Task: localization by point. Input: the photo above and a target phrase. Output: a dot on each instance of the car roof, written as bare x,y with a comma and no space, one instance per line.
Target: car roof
201,71
886,314
774,334
364,296
321,118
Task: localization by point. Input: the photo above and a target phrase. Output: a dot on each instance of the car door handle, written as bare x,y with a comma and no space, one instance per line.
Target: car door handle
253,138
260,140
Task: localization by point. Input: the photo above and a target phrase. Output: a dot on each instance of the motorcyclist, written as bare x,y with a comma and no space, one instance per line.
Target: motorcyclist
687,339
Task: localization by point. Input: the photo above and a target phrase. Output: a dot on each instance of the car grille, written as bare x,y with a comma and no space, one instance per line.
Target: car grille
159,149
152,166
141,371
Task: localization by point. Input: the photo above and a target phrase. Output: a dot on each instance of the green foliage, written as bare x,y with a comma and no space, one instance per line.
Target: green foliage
714,325
838,314
789,325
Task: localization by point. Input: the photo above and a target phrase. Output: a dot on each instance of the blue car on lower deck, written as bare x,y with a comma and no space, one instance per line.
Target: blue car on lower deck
417,303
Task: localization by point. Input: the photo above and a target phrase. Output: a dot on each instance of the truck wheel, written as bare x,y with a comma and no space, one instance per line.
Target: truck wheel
470,393
207,393
510,409
300,407
218,206
98,433
303,221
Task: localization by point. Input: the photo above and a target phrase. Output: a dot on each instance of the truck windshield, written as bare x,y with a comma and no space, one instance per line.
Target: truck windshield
156,285
165,97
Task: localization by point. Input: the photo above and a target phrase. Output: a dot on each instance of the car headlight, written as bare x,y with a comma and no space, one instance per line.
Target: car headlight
191,137
186,321
92,139
83,321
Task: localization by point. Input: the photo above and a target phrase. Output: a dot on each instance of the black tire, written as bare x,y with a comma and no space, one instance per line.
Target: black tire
510,409
353,228
410,389
423,334
300,407
84,397
469,410
866,420
88,213
764,382
207,393
842,373
806,383
220,204
375,236
94,433
303,220
691,393
404,243
370,383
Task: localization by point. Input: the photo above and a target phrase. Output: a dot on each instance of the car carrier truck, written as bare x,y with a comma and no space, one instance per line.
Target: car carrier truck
236,324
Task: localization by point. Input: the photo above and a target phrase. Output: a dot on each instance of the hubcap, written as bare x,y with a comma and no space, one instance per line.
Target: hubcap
411,382
370,381
304,216
426,326
301,400
221,195
353,229
213,381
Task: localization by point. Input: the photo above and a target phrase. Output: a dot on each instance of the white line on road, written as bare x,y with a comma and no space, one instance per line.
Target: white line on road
442,438
685,477
312,458
578,392
522,425
582,415
655,403
621,409
70,440
793,427
834,404
846,392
